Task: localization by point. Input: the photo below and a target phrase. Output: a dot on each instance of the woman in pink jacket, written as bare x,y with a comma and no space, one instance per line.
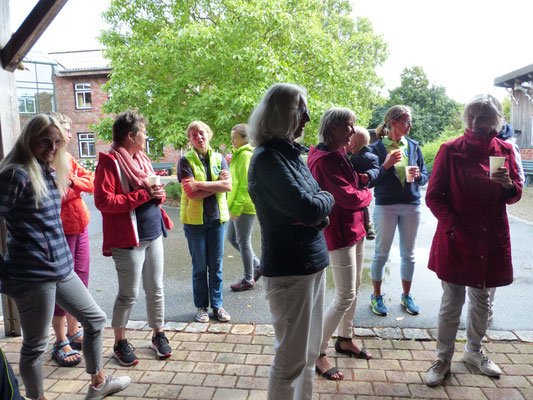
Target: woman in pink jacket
471,250
344,235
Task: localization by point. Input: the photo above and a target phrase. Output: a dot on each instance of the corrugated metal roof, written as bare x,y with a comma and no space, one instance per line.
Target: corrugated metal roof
80,60
522,74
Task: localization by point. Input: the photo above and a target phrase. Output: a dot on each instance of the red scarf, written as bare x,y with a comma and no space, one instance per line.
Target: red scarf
137,168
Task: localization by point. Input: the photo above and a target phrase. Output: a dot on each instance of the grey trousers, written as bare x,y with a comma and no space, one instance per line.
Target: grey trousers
35,303
453,299
239,234
297,308
146,262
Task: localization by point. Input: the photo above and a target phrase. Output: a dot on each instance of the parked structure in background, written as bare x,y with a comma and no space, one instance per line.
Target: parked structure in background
71,82
519,84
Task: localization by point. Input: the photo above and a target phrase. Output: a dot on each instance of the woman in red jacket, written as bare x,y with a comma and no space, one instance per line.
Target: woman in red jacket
134,224
344,235
75,217
471,250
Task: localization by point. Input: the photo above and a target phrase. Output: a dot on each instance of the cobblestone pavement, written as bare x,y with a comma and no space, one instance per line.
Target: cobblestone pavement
231,362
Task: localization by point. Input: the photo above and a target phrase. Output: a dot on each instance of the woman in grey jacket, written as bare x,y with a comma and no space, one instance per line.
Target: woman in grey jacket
292,211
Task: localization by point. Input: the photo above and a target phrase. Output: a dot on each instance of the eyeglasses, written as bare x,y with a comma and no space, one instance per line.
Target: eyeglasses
48,142
303,110
407,122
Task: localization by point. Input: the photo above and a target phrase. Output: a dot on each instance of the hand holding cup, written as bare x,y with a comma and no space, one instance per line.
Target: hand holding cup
411,173
392,158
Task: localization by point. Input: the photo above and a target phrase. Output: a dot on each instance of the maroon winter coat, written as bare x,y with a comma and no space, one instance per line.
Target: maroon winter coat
471,246
335,175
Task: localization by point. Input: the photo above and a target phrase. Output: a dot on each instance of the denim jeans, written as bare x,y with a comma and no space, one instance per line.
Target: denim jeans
206,246
35,303
144,262
297,308
239,234
386,218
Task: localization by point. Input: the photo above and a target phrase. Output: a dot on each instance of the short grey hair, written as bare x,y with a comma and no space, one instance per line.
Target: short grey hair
491,104
276,116
334,116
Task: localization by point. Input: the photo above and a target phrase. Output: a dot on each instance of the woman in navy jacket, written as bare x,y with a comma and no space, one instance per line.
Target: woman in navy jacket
292,211
397,203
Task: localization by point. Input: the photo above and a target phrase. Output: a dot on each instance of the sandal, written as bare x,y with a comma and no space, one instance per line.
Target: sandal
72,339
362,354
60,356
329,373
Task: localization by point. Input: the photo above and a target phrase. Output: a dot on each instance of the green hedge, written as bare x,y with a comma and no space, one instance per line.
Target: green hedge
174,190
430,149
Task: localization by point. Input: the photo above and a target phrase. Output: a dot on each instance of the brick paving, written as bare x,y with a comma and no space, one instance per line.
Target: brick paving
231,362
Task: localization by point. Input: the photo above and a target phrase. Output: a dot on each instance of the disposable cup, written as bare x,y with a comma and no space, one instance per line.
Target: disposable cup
408,177
495,163
154,180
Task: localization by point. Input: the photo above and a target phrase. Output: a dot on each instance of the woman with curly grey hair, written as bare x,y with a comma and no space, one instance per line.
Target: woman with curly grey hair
292,211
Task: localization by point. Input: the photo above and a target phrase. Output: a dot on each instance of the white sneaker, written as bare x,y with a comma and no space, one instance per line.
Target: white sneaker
222,315
482,362
109,386
437,372
202,315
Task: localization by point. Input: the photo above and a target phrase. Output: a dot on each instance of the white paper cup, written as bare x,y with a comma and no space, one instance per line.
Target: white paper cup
408,177
495,163
154,180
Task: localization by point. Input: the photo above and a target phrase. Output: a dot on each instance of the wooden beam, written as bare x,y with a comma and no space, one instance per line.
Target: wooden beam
29,32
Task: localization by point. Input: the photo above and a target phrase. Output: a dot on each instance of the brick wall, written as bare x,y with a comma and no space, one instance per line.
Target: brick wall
526,153
81,119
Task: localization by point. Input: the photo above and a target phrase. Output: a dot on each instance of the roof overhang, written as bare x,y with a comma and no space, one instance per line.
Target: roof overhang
83,72
521,75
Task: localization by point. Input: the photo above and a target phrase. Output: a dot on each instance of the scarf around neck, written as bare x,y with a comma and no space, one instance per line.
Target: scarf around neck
136,168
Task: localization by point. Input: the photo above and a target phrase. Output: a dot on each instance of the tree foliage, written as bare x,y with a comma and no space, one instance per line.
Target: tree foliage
177,61
432,110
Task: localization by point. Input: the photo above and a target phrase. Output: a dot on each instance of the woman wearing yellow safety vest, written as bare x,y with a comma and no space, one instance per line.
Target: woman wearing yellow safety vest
241,208
205,178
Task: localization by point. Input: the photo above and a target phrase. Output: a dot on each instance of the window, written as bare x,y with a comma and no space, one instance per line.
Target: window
82,91
86,144
27,104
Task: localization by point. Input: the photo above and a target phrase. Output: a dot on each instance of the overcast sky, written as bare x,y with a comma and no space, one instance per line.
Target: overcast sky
461,44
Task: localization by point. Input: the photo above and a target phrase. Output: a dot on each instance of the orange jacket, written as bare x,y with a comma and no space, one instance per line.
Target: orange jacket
74,212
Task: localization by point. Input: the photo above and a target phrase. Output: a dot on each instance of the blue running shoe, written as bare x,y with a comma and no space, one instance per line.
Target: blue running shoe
377,305
409,303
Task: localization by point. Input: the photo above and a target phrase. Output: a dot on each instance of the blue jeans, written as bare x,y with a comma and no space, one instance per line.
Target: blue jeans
206,245
240,236
386,218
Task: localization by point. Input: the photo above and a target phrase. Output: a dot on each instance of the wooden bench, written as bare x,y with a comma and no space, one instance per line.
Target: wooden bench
528,170
163,166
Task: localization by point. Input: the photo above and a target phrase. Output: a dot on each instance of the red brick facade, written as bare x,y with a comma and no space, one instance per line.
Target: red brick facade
83,118
527,153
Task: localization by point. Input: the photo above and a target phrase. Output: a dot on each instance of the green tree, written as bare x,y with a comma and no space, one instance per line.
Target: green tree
177,61
432,110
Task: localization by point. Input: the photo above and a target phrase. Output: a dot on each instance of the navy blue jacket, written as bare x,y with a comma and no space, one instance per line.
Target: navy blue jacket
365,162
388,187
289,203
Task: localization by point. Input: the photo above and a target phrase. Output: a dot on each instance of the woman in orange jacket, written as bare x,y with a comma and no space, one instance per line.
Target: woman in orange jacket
75,217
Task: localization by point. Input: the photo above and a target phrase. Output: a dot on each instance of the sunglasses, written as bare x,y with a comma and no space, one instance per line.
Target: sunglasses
48,142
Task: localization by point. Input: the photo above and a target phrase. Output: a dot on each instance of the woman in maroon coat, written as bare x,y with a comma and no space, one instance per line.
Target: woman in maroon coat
471,250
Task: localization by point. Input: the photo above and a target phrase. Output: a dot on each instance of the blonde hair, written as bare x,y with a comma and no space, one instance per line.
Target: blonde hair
363,132
61,118
200,126
394,113
333,116
487,102
22,155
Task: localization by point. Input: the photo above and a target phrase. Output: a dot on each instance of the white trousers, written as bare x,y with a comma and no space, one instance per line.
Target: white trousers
347,268
297,308
453,299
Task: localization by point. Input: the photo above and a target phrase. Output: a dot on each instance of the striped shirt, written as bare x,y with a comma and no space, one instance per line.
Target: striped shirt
36,246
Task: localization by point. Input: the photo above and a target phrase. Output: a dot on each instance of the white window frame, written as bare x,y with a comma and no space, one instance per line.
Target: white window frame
86,138
83,89
25,99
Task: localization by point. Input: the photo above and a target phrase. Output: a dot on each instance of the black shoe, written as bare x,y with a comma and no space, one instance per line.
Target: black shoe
161,346
123,352
257,275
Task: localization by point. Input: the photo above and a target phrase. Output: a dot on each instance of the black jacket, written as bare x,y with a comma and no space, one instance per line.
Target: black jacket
388,188
365,162
289,203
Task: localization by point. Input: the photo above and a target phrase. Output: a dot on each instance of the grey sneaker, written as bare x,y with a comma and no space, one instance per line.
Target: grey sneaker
437,372
221,314
109,386
482,362
202,315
